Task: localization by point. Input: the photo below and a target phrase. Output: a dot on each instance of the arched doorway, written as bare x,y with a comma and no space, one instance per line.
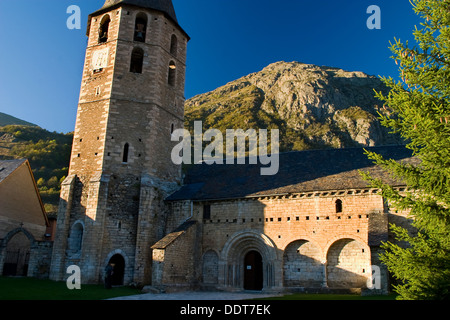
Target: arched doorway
253,271
233,262
119,269
17,255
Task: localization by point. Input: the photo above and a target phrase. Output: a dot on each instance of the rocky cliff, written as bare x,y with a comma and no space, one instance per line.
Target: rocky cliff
312,106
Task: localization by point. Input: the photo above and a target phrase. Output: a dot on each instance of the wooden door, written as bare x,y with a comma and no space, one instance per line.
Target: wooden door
253,271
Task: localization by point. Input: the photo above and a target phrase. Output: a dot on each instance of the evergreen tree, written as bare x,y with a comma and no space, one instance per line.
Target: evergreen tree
418,107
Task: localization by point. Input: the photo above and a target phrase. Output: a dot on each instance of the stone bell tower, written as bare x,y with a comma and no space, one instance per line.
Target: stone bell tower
132,98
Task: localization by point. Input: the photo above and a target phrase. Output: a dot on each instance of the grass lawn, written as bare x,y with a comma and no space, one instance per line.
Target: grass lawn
12,288
34,289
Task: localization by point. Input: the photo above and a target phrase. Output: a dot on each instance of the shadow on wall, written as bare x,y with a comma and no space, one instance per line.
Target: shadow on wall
302,266
16,252
81,221
251,260
347,265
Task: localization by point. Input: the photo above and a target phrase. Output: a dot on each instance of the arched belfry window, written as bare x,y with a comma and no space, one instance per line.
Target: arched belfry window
140,29
339,207
126,151
137,60
173,45
104,29
172,73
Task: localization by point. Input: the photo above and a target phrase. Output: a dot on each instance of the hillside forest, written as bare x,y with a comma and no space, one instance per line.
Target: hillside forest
47,152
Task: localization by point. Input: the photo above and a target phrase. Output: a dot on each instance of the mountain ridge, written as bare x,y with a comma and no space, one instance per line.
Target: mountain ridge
6,120
312,106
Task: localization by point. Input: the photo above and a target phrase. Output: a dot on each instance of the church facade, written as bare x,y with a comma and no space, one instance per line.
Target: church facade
316,224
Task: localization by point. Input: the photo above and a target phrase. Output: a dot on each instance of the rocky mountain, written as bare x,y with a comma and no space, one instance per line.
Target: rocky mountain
313,107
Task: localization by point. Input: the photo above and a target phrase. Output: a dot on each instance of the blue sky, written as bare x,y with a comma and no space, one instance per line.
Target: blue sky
41,60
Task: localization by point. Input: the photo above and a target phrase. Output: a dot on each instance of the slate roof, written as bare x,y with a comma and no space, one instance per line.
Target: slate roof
304,171
171,237
165,6
9,166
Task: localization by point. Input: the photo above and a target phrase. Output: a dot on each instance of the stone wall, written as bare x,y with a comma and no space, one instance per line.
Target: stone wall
310,240
302,265
40,260
175,259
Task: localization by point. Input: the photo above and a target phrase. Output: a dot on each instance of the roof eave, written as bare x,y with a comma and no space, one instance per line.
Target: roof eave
41,203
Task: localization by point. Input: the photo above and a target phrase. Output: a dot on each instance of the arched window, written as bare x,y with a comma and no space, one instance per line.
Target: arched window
126,150
172,73
104,29
338,206
137,60
76,237
140,29
173,45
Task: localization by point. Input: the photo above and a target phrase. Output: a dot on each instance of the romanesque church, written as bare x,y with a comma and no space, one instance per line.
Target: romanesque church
316,224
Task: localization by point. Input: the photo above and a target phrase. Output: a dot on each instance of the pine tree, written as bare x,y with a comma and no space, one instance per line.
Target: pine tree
418,108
